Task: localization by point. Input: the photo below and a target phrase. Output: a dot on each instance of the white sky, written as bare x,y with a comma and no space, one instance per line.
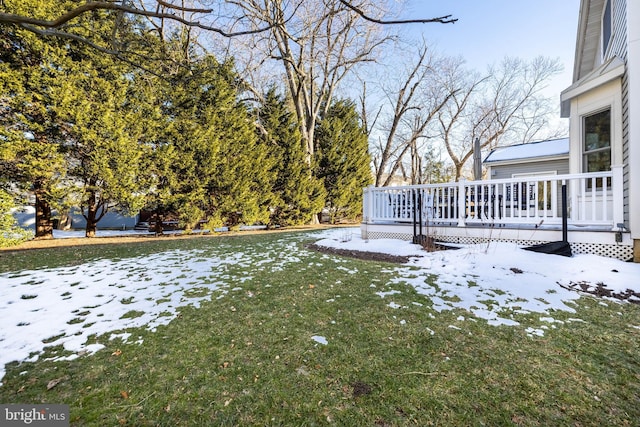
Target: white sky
65,306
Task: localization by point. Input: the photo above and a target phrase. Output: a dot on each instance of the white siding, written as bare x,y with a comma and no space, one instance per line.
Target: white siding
560,167
618,46
625,143
633,119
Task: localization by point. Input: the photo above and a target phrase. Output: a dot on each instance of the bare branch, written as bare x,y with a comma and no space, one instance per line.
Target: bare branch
30,23
441,19
182,8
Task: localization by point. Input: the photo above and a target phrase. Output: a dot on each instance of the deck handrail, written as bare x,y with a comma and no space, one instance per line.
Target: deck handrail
594,198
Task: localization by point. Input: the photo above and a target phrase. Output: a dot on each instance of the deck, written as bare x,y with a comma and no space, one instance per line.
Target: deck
522,210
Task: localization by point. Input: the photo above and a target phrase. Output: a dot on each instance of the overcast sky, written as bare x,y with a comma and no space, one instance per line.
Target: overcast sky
489,30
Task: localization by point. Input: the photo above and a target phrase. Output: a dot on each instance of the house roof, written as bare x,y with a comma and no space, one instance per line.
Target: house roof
588,38
532,150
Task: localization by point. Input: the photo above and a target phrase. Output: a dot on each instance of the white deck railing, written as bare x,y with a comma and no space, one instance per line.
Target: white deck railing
593,199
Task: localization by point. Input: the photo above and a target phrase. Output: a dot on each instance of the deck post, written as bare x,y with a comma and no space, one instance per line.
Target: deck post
618,196
462,208
367,204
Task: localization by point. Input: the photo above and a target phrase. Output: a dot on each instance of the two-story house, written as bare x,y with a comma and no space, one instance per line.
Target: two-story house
603,103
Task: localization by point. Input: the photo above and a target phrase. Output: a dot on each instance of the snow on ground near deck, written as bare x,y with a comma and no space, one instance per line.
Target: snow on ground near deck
67,305
490,280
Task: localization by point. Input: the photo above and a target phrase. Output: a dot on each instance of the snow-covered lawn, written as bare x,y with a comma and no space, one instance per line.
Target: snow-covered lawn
68,305
492,279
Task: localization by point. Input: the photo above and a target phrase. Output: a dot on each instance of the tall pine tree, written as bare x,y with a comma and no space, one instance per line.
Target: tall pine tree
343,160
105,127
297,194
208,164
32,136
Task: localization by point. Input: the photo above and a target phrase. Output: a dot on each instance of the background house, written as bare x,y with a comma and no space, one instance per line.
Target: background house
25,216
537,158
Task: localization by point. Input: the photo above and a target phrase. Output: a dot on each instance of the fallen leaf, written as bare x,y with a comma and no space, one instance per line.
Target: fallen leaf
53,383
124,394
226,402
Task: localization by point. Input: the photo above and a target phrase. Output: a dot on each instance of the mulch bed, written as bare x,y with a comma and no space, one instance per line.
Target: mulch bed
369,256
600,290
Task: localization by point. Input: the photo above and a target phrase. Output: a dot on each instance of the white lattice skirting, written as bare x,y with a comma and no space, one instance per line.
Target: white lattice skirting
612,250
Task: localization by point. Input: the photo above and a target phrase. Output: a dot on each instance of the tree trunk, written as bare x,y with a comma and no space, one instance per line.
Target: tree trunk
159,227
458,167
91,216
44,223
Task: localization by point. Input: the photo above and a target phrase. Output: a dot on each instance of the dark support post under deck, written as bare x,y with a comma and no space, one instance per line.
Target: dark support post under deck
565,227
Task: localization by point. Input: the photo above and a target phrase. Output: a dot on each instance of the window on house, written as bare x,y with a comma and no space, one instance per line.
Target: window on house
606,28
597,144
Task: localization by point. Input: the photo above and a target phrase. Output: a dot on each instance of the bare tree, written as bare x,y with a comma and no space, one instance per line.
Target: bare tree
316,44
503,106
424,90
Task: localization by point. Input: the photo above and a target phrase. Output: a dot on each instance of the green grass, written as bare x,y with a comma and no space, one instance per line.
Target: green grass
246,356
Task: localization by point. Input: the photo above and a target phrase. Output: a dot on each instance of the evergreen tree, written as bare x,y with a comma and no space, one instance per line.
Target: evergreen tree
32,137
70,116
105,128
10,233
298,195
343,161
239,190
208,164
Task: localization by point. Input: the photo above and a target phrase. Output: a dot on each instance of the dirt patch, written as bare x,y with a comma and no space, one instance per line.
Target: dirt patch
361,389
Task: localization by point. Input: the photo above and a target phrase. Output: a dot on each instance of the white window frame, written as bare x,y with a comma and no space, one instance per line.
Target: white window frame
605,96
583,135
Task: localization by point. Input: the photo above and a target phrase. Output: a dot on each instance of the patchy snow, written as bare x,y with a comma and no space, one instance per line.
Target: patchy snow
68,306
320,339
494,281
334,239
391,292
